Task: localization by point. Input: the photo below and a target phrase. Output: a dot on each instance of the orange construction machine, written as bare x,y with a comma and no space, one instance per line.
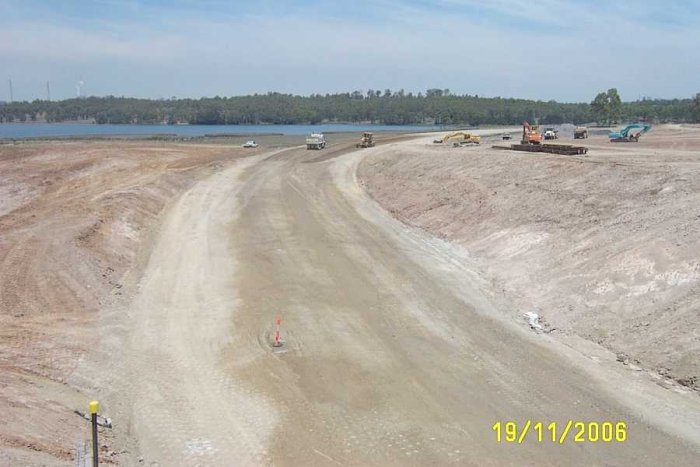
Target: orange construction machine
531,135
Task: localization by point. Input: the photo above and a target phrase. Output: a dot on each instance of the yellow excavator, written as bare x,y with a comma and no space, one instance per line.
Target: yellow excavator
466,138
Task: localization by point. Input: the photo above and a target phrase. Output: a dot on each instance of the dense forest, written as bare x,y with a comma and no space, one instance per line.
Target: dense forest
435,106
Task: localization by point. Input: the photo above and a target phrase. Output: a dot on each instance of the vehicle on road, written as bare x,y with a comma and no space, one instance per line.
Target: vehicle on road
580,132
367,141
315,141
250,144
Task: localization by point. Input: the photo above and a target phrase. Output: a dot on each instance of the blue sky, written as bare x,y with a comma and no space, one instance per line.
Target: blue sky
549,49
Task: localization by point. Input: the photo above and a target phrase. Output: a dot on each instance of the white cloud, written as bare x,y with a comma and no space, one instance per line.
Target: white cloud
42,41
548,50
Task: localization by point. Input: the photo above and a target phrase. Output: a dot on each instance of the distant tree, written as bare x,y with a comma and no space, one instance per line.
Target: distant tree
695,106
599,106
607,106
614,105
429,106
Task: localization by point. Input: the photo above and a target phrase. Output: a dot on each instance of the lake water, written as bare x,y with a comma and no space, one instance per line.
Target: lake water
39,130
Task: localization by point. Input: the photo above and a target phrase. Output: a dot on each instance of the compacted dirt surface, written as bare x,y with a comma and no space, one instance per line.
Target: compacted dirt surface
75,217
398,348
603,246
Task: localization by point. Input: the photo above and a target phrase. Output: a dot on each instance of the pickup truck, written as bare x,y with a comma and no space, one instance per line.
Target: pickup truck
550,133
250,144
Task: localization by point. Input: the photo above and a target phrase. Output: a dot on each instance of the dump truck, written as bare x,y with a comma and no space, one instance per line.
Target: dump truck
367,141
580,132
315,141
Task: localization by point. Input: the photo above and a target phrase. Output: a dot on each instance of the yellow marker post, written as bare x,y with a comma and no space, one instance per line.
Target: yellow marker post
94,407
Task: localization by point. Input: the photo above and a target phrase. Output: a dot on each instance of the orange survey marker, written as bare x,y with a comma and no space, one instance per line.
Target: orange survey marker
278,341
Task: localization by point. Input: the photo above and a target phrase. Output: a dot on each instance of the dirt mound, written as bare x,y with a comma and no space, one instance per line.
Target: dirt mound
604,246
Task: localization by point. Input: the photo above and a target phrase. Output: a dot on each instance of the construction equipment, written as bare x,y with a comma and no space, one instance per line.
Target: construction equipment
626,135
467,138
563,149
530,134
580,132
367,141
551,133
315,141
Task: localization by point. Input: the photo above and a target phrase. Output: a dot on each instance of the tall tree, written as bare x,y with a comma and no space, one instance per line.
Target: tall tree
614,105
695,106
607,106
599,106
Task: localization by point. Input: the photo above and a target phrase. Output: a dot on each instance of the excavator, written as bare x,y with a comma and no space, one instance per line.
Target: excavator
626,135
530,134
467,138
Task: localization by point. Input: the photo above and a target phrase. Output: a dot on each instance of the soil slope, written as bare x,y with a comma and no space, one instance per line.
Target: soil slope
604,246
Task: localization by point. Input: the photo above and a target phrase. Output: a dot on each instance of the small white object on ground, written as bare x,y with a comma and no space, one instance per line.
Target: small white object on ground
533,320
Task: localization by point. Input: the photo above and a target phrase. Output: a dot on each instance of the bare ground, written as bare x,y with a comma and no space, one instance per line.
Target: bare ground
161,269
73,217
393,354
604,246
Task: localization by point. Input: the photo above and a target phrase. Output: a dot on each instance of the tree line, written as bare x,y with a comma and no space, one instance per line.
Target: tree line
435,106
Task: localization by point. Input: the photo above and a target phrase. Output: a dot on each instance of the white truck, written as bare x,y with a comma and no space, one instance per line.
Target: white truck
551,133
315,141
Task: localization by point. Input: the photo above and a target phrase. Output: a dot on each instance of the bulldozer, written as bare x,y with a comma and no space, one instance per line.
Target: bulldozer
531,135
367,141
466,138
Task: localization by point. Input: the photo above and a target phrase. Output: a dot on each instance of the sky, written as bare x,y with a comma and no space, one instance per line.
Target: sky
547,49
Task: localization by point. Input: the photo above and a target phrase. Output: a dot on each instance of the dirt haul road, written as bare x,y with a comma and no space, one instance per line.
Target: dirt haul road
392,353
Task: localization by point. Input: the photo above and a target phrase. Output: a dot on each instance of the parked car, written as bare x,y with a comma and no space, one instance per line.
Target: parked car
250,144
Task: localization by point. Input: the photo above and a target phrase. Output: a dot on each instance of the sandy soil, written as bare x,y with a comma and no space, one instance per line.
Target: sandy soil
161,272
604,246
73,218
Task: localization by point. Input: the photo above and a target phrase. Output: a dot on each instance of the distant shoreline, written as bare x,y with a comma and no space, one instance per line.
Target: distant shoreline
83,131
